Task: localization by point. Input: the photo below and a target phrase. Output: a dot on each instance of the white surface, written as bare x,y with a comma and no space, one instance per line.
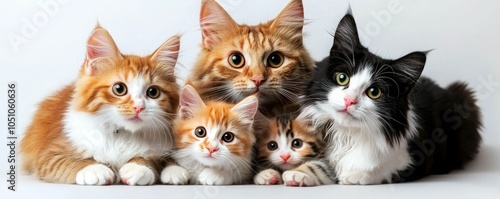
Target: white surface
464,34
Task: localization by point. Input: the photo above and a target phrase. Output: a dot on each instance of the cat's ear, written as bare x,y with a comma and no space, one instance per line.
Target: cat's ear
214,23
247,109
190,102
168,52
101,51
408,69
346,38
291,18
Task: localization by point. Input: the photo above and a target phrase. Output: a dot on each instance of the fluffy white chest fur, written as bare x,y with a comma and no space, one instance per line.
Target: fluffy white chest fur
362,155
110,144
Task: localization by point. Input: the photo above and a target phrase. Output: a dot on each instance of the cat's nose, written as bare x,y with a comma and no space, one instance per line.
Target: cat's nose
258,80
349,102
212,149
285,157
138,109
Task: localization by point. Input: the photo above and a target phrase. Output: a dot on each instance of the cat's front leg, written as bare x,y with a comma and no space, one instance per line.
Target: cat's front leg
95,174
174,174
268,176
311,173
211,176
138,171
359,177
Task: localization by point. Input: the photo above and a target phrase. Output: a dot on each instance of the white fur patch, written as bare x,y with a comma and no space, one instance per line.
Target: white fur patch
109,137
357,148
96,174
135,174
175,175
267,177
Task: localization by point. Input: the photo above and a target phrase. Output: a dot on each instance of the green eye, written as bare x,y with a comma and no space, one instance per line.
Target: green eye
236,60
342,79
373,92
119,89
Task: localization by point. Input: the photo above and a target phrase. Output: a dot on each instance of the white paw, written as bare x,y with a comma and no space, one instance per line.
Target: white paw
174,175
352,178
268,176
136,174
213,177
96,174
297,178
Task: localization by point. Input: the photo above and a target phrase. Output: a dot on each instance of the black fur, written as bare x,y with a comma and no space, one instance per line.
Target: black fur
448,136
448,119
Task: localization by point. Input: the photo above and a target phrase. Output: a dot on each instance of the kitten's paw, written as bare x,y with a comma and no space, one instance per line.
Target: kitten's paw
211,176
175,175
297,178
136,174
96,174
352,178
268,176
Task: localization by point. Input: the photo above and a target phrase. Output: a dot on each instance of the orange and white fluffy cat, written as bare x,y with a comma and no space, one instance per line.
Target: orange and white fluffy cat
214,141
114,122
268,59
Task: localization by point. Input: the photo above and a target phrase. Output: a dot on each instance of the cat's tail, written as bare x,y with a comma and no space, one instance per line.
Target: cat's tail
467,131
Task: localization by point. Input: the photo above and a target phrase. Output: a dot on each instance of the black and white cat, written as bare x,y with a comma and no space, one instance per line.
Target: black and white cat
383,123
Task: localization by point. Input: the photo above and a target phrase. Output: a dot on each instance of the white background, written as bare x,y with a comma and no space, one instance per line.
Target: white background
463,33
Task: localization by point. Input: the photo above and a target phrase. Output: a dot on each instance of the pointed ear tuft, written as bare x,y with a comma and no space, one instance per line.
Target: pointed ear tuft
101,51
346,38
409,69
291,18
167,53
190,102
247,109
214,22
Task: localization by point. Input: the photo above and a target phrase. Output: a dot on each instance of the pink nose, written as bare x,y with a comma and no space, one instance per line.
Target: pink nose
138,109
349,102
212,149
285,157
258,80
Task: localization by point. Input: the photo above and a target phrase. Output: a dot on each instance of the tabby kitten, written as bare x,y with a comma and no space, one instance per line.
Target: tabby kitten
292,146
384,123
237,61
214,141
113,123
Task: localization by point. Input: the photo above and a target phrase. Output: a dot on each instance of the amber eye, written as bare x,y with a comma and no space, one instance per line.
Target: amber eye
373,92
272,145
153,92
342,79
297,143
200,132
228,137
119,89
236,60
275,59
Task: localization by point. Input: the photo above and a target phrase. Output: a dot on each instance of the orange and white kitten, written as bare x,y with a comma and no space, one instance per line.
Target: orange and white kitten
268,59
214,141
113,123
292,148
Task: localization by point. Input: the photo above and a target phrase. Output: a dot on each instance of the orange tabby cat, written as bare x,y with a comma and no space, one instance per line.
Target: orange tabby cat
113,122
268,59
214,141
